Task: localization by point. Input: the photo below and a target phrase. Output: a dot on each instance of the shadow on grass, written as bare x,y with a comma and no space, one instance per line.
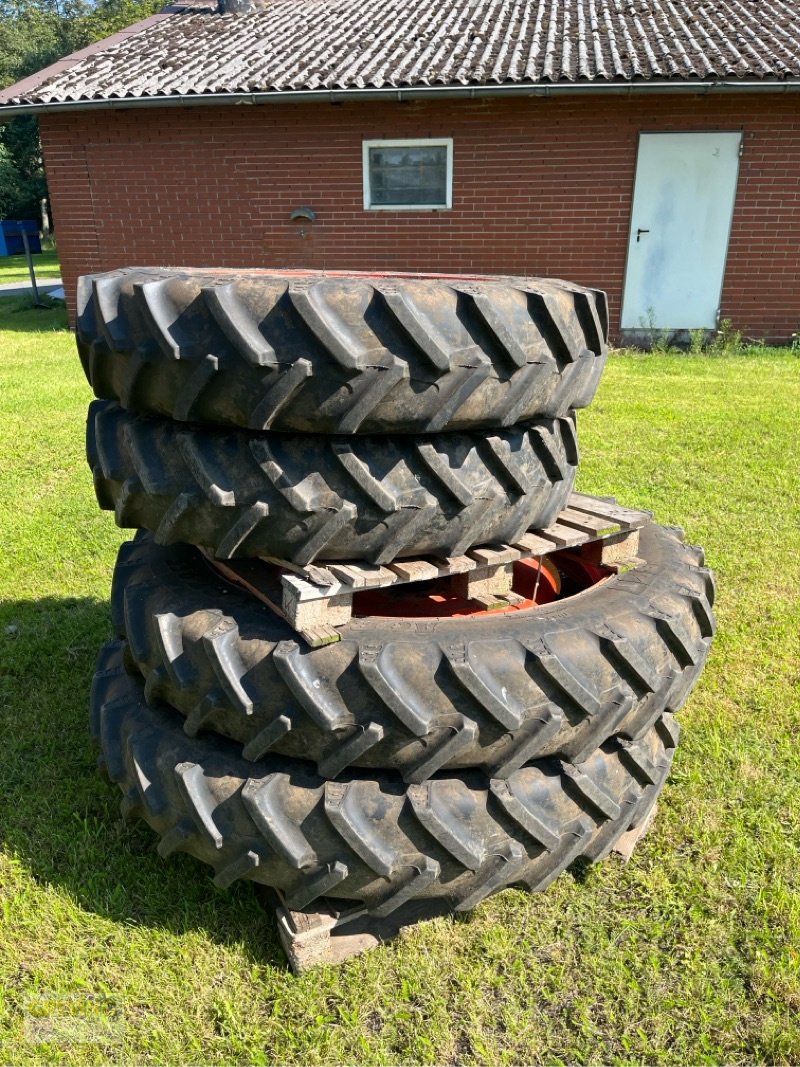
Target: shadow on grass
18,315
62,819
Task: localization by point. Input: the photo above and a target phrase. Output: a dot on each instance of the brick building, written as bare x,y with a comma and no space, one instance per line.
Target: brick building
649,149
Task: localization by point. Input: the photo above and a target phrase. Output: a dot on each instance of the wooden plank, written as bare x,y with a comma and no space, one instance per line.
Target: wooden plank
442,566
350,575
455,565
346,575
625,845
413,570
534,544
627,517
587,523
489,555
257,578
313,572
363,575
564,536
378,576
319,575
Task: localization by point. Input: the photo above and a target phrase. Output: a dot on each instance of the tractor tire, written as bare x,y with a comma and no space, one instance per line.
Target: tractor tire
372,840
419,696
340,353
299,496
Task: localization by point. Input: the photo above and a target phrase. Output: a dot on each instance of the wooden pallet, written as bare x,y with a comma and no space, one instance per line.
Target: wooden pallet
314,938
316,599
328,936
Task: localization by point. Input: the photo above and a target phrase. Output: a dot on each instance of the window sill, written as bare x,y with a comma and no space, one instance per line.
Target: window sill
408,207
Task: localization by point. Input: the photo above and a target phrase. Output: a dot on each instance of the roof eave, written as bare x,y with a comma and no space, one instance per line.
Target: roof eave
9,111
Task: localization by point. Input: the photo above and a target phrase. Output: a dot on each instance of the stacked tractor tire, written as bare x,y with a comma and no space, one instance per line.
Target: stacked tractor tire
310,418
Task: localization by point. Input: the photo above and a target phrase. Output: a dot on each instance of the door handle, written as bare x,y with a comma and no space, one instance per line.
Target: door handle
639,234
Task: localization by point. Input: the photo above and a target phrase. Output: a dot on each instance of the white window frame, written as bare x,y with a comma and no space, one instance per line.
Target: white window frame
416,142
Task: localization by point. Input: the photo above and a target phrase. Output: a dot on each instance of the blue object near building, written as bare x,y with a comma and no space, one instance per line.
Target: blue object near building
11,230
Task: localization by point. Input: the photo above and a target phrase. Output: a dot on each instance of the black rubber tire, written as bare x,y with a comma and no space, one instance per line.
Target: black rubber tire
370,840
304,496
419,696
340,353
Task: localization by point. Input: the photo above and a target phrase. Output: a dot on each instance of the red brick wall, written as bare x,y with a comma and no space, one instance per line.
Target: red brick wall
541,186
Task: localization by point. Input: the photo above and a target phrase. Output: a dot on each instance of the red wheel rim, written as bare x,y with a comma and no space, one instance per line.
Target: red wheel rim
538,582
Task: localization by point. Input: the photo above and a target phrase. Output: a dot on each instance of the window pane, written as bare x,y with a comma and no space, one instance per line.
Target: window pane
408,175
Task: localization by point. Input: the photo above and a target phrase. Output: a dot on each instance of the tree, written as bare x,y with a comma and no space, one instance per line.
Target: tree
34,34
11,192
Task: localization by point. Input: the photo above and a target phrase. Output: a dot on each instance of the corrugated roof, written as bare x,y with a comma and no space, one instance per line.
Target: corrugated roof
306,45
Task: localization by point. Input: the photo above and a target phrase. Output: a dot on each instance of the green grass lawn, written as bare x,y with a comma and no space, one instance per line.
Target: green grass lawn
15,268
689,954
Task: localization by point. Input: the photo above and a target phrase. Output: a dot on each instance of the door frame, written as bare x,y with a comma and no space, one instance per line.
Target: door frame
633,330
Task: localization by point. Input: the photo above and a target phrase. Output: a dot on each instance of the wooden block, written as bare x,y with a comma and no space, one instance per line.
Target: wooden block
309,613
513,598
315,939
306,944
489,601
497,601
320,635
484,583
627,843
616,548
302,590
327,611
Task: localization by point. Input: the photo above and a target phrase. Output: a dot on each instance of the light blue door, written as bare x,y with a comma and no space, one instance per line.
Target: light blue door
681,220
